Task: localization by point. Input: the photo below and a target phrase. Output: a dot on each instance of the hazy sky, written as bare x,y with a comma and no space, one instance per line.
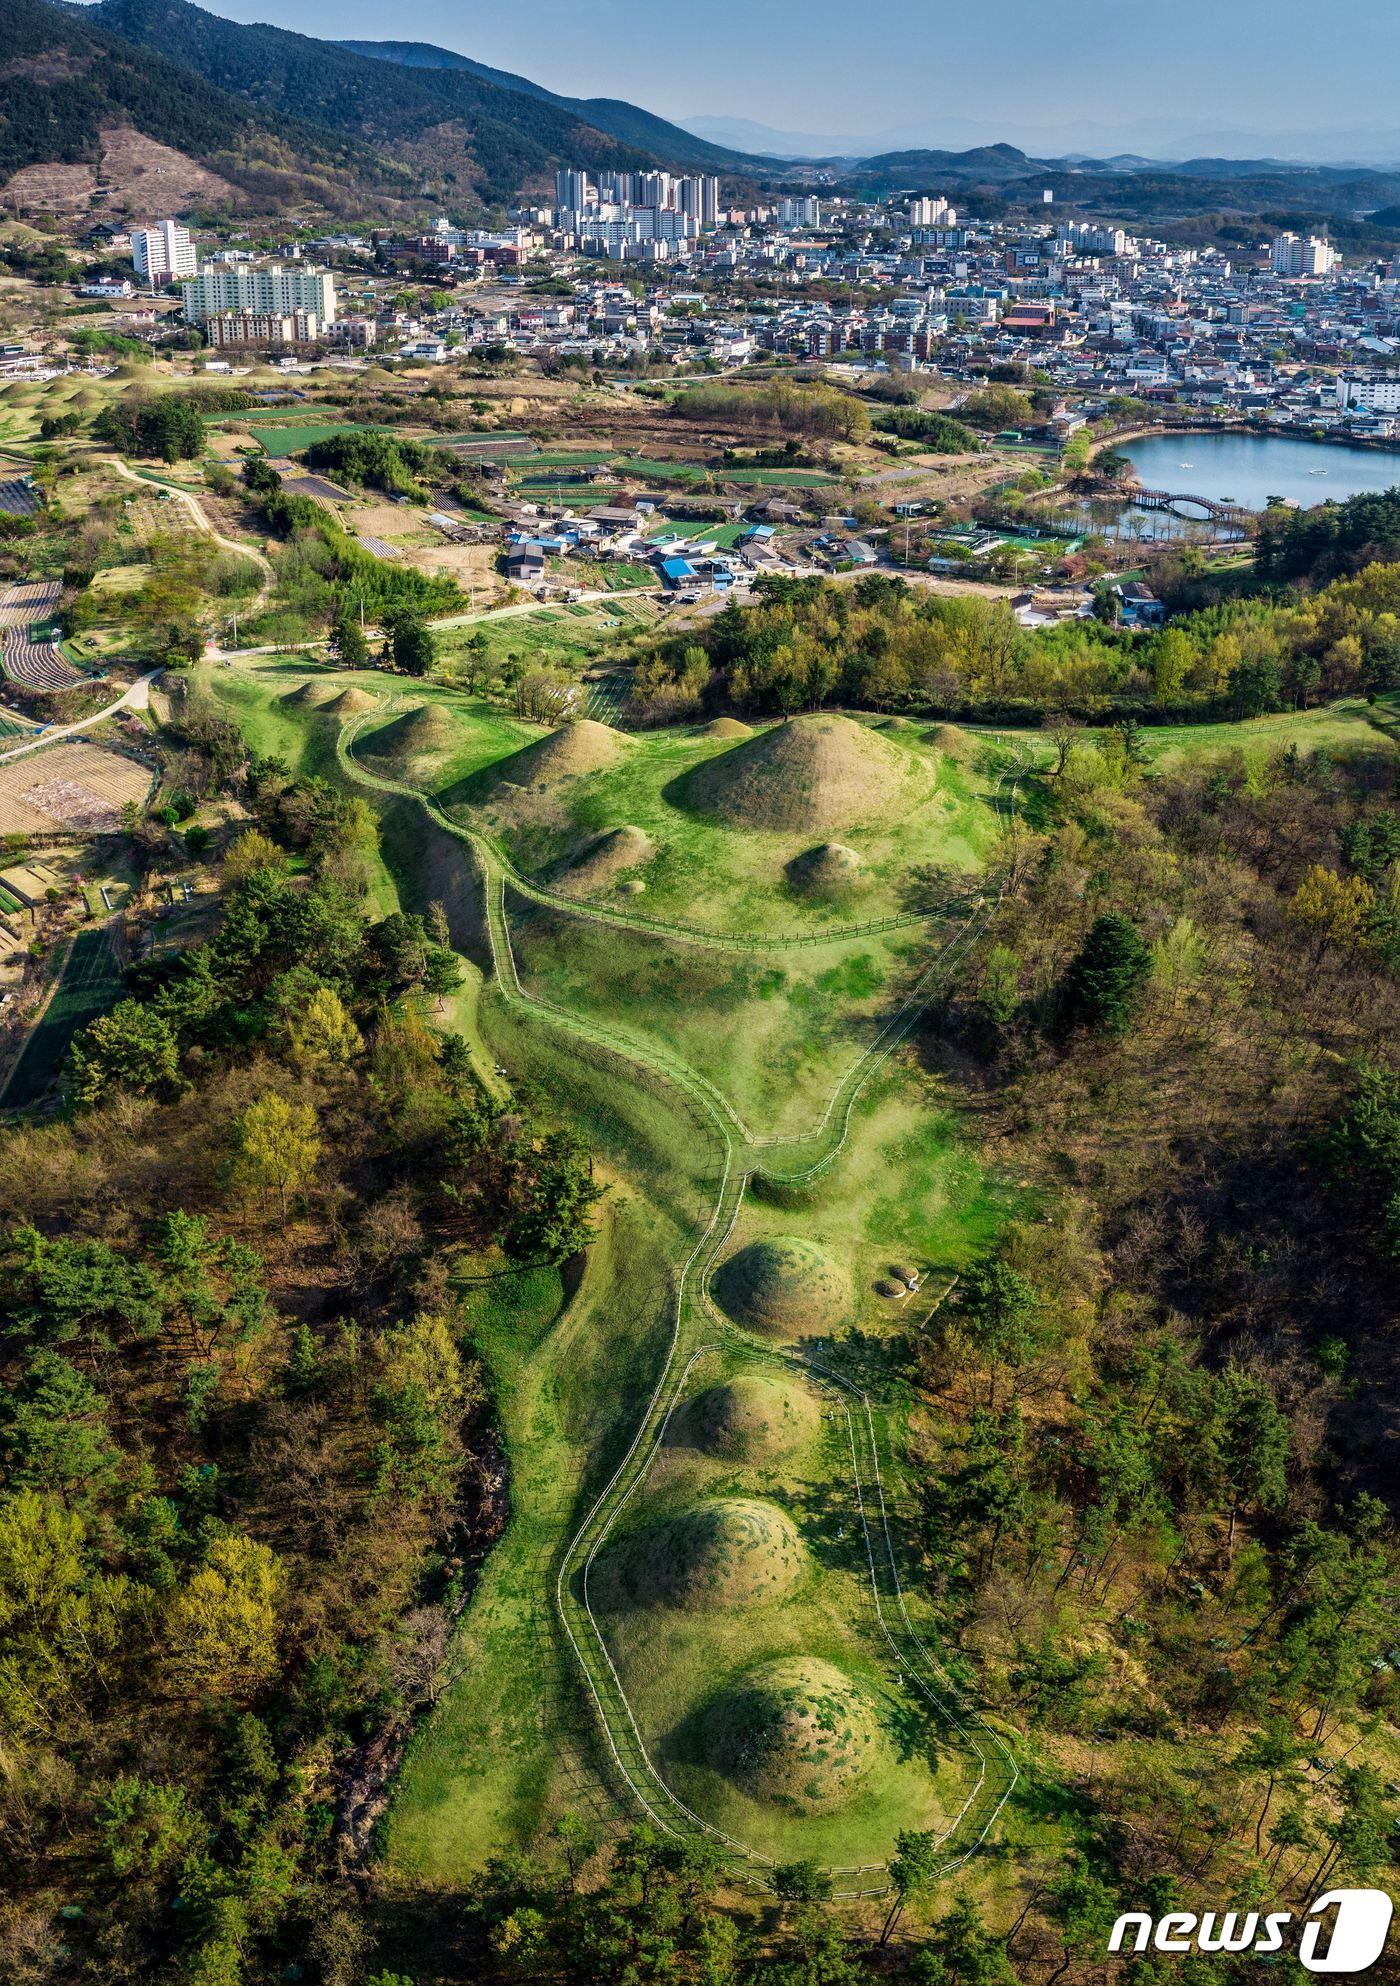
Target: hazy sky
1272,66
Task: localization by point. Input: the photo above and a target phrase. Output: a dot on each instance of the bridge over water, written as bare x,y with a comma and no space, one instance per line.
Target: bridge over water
1221,512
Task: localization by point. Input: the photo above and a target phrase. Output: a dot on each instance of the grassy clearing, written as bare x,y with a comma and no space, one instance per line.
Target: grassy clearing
290,437
906,1189
697,1674
510,1745
90,984
1333,727
773,1031
303,734
477,734
720,874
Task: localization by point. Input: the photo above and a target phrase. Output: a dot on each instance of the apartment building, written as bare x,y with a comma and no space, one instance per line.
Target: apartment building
257,328
1377,396
264,289
163,253
1301,255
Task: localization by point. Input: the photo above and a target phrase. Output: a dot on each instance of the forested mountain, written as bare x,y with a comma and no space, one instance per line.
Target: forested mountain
64,79
468,134
623,121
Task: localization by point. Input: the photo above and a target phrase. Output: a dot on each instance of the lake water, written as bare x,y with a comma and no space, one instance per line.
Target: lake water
1250,468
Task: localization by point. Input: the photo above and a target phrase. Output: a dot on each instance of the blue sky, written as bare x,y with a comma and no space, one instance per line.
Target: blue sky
1006,68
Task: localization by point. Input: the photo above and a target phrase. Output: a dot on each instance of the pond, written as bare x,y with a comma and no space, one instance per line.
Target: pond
1248,469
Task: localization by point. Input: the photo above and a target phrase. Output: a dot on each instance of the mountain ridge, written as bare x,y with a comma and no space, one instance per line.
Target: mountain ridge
627,122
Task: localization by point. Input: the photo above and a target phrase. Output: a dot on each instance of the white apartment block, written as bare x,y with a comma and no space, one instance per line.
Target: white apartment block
1376,396
802,212
632,196
931,214
262,289
163,253
1302,255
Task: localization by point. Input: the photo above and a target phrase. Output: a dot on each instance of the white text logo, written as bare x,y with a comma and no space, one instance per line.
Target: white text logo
1358,1932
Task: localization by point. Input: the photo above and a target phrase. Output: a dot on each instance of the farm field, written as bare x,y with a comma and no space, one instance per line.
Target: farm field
290,437
70,785
90,983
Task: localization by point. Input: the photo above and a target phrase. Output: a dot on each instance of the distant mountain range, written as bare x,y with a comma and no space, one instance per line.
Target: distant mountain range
1145,141
202,113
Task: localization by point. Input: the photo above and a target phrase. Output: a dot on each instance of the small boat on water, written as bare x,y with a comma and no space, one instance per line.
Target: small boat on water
1185,465
1317,472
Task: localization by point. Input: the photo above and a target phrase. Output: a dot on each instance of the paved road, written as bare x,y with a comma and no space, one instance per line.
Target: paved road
138,697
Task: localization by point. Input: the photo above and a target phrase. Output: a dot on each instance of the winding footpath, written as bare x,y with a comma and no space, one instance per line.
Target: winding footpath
738,1155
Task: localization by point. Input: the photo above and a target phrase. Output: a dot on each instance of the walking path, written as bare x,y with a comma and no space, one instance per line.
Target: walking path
738,1155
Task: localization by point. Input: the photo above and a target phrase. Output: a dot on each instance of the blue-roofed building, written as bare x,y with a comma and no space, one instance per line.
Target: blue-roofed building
678,572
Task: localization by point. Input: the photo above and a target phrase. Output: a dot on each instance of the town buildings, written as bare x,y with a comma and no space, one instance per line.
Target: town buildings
252,290
163,253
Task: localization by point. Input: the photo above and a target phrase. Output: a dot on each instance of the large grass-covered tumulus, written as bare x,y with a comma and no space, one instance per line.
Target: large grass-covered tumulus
785,1287
798,1731
723,1552
751,1418
812,775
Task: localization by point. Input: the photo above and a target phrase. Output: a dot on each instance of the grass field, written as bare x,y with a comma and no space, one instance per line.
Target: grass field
510,1746
726,536
709,872
290,437
513,1743
89,985
773,1031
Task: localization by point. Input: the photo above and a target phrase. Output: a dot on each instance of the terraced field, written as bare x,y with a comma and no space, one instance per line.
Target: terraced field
39,665
70,786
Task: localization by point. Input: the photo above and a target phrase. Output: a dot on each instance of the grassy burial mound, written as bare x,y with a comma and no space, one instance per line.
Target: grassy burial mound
401,748
729,1552
572,752
605,863
784,1287
955,744
798,1732
828,871
351,702
725,727
750,1419
812,775
311,696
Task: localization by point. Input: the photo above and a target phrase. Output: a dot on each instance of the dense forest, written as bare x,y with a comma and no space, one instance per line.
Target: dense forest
883,645
247,1454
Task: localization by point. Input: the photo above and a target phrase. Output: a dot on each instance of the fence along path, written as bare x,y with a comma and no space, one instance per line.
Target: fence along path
630,920
735,1158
